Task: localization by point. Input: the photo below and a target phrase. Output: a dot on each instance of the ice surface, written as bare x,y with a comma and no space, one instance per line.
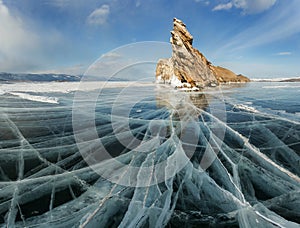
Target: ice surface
63,87
177,159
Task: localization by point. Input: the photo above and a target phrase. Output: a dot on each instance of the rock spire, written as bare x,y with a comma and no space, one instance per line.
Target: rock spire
188,67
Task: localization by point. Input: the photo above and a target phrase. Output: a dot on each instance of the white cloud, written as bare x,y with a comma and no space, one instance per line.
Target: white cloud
247,6
226,6
99,16
253,6
138,3
60,3
111,55
17,41
203,1
284,53
278,25
24,47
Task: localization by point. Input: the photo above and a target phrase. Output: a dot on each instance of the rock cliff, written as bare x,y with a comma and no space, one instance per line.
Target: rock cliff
224,75
188,67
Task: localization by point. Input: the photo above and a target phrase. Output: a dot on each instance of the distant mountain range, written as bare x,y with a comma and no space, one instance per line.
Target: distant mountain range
23,77
291,80
12,77
296,79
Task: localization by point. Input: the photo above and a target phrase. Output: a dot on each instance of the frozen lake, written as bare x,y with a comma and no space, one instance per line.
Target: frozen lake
134,154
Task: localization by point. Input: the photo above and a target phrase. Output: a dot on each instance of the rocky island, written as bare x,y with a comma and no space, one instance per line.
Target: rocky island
188,67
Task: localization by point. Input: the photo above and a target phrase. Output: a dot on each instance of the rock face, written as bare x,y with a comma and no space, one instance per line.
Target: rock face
188,67
224,75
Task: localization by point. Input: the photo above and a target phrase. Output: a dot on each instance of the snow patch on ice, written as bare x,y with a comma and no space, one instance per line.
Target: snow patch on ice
245,107
159,79
51,100
2,92
188,89
175,81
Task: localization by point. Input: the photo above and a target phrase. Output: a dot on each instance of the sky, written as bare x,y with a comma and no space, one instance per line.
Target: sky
257,38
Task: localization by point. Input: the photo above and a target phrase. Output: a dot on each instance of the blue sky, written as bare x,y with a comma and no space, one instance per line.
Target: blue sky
258,38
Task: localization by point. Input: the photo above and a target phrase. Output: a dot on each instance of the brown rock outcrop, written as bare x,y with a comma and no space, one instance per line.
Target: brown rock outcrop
188,67
224,75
